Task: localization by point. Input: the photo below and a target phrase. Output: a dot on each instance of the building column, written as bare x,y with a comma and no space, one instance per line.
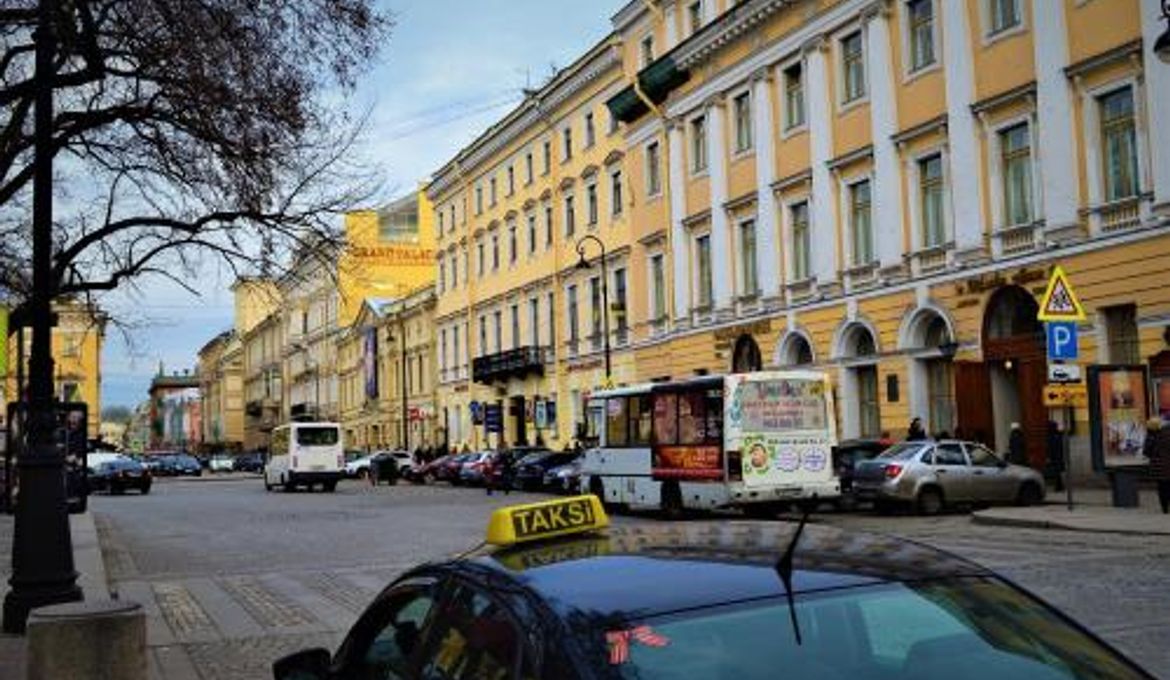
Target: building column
962,170
823,241
887,194
721,280
679,239
1157,82
669,25
764,136
1054,129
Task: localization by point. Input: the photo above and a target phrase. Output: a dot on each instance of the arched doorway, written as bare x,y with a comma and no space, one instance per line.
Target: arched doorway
746,356
856,348
929,341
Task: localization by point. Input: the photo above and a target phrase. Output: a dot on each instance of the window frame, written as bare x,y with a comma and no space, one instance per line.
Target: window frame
912,69
657,273
791,126
704,293
846,99
852,186
1103,129
653,168
801,255
1002,158
616,200
743,119
697,132
919,202
742,228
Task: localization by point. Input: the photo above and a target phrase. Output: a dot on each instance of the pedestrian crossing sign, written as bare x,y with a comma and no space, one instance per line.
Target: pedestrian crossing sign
1060,302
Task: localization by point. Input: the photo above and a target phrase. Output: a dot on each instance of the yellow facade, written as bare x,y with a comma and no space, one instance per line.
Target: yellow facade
220,370
941,158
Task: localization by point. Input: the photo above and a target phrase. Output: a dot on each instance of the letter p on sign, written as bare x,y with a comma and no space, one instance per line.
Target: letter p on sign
1062,340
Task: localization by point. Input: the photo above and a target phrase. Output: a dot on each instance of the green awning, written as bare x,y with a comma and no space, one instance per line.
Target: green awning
657,81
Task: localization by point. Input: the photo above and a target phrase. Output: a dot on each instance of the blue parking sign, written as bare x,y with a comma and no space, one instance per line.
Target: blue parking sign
1062,340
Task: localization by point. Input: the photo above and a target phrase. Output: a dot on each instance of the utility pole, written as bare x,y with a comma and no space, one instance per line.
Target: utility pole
42,549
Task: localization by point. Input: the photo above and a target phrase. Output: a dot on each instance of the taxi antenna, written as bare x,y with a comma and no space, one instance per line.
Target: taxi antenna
784,567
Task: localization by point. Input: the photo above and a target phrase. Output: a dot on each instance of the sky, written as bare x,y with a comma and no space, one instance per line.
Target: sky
450,69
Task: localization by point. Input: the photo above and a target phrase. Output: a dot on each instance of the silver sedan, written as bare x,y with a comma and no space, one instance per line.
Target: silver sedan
933,474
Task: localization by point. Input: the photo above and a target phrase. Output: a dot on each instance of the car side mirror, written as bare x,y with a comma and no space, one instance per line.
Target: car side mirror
308,664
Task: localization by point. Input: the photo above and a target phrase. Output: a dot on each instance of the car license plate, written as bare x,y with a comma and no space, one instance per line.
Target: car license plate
317,468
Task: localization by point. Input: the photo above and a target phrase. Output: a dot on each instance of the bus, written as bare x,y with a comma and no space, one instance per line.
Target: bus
305,454
754,441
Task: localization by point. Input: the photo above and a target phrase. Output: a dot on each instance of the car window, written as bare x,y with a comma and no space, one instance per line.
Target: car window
395,636
949,453
981,456
474,637
903,451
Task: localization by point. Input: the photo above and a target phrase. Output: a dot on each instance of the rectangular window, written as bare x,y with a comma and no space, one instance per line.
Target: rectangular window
590,133
454,272
1119,144
793,97
492,192
647,50
571,315
699,144
653,170
512,244
615,192
703,270
455,354
566,144
930,182
498,327
801,254
591,204
534,321
695,16
747,257
528,168
441,222
1005,14
548,226
743,122
515,326
1015,149
617,430
547,151
511,180
658,286
531,234
595,309
479,259
852,67
443,350
570,217
552,315
478,200
921,14
621,324
482,335
1121,334
861,221
495,252
442,276
613,124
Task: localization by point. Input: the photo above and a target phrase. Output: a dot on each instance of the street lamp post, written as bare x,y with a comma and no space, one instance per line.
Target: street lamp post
583,265
42,549
1162,44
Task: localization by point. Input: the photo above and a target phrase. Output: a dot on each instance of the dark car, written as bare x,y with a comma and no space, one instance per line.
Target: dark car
181,465
118,476
249,462
849,453
448,471
531,469
555,596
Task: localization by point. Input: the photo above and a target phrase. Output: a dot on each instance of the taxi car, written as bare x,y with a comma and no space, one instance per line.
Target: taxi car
555,594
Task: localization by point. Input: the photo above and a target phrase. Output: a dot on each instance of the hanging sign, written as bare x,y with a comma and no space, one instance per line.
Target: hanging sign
1060,302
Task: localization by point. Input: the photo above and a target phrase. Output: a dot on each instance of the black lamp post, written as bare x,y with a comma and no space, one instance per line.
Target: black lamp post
583,265
42,549
1162,44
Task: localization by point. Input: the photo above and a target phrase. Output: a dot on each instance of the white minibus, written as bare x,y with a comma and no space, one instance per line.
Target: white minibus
305,454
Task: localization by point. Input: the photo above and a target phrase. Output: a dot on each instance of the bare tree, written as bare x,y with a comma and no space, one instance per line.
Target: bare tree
181,128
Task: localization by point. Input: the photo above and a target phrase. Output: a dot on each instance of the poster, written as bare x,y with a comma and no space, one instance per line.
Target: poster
1118,410
772,459
688,463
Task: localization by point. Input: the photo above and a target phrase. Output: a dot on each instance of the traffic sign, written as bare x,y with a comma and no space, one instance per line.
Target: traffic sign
1060,302
1064,373
493,418
1062,340
1076,394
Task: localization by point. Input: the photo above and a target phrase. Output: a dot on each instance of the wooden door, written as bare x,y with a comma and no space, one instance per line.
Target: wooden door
973,402
1032,375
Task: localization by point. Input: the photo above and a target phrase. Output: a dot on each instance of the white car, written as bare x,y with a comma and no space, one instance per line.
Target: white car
359,467
221,464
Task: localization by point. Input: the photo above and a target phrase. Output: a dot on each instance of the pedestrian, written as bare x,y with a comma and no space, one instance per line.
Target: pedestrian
1055,451
1157,451
1017,446
916,431
502,473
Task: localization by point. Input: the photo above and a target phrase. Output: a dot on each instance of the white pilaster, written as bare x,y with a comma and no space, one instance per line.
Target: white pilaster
962,173
1054,130
671,34
721,279
823,241
887,197
680,246
767,252
1157,97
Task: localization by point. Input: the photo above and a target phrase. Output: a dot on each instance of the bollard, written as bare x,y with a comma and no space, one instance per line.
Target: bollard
100,640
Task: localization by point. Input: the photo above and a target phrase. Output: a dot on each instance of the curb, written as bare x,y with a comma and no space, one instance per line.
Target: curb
1020,522
206,478
88,560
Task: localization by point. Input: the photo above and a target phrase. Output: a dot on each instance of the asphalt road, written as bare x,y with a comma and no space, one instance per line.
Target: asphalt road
232,577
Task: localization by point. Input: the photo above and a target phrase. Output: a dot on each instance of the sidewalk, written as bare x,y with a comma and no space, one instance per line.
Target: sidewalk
87,560
1092,511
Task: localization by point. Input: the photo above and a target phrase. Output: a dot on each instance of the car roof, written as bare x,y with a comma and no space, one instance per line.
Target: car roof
635,572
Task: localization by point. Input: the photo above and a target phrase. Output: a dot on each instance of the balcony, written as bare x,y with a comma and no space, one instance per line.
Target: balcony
513,363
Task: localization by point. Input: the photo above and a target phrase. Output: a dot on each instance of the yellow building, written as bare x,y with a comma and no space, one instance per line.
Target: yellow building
220,370
263,380
519,325
876,188
77,352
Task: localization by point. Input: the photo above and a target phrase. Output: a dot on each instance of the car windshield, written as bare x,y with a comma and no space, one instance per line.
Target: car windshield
961,629
318,435
534,457
185,460
903,451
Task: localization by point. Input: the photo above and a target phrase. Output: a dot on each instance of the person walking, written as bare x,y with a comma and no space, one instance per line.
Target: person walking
916,431
1017,446
1157,451
1055,451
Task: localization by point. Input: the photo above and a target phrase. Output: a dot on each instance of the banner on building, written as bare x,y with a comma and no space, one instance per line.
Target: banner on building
1119,404
370,362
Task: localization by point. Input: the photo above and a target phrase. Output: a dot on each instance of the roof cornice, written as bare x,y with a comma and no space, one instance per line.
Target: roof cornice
727,27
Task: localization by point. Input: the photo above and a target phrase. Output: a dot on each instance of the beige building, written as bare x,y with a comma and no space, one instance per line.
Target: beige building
221,385
263,380
309,313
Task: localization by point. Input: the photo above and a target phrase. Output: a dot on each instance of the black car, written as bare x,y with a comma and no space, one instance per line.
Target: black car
249,462
530,469
118,476
850,452
180,465
556,597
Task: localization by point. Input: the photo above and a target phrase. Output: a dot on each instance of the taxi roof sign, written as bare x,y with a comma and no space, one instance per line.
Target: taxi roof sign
546,519
1060,302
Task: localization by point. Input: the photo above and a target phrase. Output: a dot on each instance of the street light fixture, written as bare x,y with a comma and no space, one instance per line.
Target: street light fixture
584,265
1162,44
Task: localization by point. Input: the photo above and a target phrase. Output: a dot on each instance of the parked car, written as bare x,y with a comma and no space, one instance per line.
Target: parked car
931,475
847,455
565,478
449,471
182,465
404,460
117,476
530,469
221,463
249,462
428,472
474,469
359,467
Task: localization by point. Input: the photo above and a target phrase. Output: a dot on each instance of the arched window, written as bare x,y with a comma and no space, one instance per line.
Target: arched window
746,357
796,351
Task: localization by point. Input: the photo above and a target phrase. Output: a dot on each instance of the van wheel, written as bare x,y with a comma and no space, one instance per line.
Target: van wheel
672,505
363,473
268,487
1029,494
930,501
288,485
329,487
